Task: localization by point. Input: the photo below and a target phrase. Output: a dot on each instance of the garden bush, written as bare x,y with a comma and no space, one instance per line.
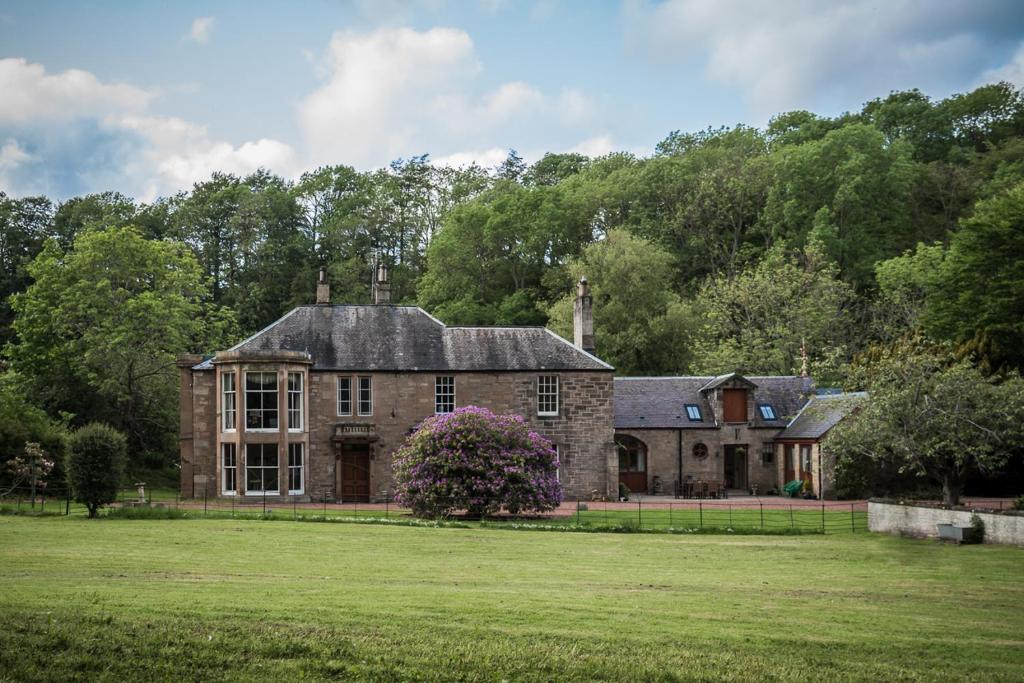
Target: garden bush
476,461
95,467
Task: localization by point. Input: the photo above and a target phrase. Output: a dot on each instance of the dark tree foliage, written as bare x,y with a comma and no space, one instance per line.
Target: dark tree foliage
95,465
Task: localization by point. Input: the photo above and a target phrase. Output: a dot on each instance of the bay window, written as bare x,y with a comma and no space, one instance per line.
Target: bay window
228,410
261,468
261,401
296,471
295,402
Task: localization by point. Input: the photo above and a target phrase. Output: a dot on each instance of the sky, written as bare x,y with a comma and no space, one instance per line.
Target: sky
147,98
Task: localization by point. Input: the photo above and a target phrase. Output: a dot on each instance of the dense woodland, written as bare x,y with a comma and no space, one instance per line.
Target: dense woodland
727,249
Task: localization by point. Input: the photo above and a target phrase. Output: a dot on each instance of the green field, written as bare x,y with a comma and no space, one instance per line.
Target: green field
251,600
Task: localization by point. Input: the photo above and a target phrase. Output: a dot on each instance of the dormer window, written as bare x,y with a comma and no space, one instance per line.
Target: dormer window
734,406
693,412
767,412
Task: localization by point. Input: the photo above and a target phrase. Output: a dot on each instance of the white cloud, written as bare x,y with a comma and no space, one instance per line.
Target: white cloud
150,155
595,147
789,54
201,29
12,155
30,94
395,92
485,158
1012,71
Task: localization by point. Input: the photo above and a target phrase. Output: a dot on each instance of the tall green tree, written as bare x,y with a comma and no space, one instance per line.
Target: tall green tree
640,325
851,191
100,326
25,224
978,298
757,321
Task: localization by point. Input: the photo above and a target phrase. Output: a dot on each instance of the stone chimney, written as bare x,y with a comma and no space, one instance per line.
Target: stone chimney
323,289
583,318
381,285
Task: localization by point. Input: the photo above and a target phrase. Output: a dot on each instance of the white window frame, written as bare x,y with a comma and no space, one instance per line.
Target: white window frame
301,401
359,396
558,459
348,382
277,480
225,468
301,467
277,402
544,396
224,410
444,391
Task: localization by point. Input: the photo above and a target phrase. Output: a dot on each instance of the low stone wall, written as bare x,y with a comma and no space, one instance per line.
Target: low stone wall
919,521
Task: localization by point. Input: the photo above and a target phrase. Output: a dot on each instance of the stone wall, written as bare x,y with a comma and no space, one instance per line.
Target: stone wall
582,430
663,454
920,522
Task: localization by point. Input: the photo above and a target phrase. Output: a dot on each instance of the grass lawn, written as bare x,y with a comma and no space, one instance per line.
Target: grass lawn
242,600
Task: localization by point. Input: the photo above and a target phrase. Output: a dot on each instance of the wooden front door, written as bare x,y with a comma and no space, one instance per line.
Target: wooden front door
353,472
736,467
632,463
788,462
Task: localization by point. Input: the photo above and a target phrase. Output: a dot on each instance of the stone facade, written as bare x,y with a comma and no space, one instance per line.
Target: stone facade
582,430
664,447
687,433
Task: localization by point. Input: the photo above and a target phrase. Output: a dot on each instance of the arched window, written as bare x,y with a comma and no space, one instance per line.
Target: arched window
632,453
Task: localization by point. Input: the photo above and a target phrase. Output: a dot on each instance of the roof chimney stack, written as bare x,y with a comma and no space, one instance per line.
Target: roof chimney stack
583,318
323,289
381,285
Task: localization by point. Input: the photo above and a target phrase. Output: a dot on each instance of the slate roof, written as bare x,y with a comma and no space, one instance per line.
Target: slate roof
821,414
384,338
660,402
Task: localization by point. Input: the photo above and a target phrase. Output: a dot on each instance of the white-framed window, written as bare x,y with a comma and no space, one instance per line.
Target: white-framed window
261,401
261,468
693,412
229,469
767,411
365,396
805,457
228,406
444,394
295,396
547,395
344,396
296,471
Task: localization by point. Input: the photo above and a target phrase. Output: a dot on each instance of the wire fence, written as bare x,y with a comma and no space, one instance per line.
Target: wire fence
767,514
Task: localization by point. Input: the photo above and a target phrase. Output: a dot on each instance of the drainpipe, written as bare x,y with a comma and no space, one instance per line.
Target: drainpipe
679,454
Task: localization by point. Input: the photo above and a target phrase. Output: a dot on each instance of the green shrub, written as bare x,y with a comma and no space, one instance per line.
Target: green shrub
623,491
95,466
1019,503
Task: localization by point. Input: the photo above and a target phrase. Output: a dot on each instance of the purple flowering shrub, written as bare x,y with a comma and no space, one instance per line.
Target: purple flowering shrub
476,461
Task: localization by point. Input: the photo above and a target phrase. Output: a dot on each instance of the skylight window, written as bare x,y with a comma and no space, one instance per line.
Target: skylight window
693,412
767,412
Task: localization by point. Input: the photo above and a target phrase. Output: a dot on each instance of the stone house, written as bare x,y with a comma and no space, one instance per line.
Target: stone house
672,431
314,405
798,450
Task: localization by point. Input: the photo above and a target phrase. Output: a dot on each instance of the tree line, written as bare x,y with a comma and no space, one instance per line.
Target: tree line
727,249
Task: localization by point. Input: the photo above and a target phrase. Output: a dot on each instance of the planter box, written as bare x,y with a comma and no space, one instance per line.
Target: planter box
959,534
